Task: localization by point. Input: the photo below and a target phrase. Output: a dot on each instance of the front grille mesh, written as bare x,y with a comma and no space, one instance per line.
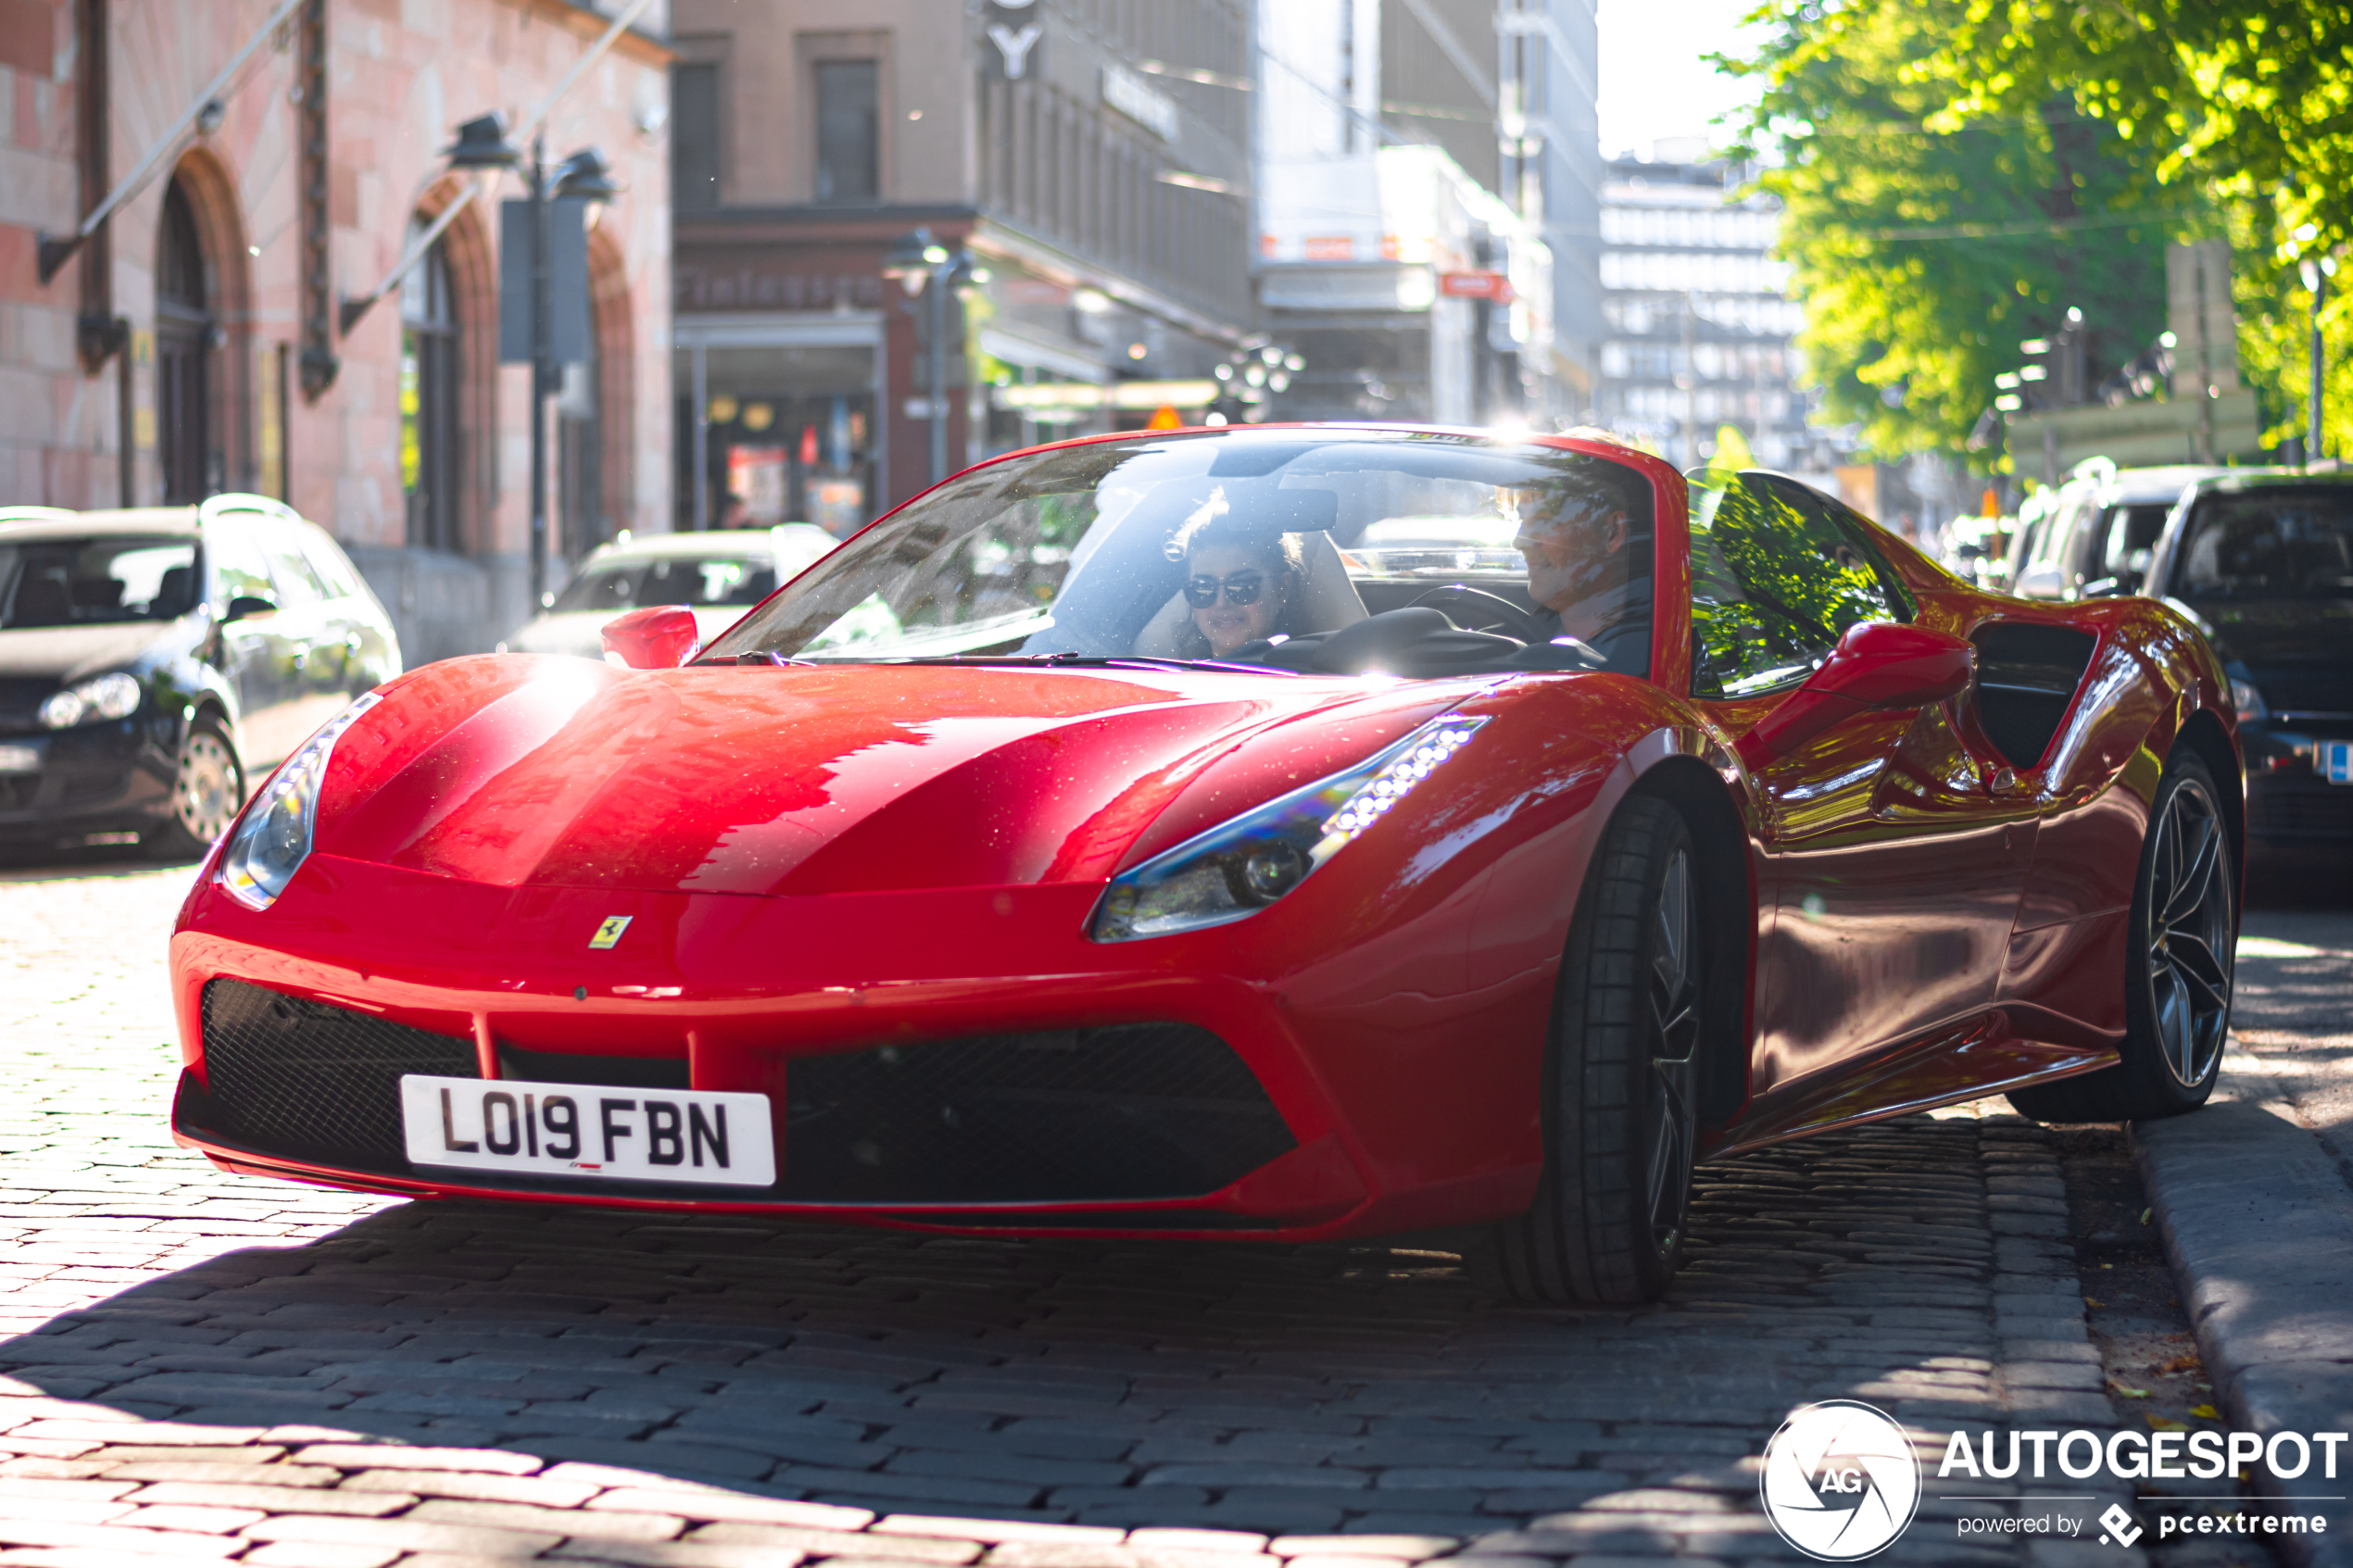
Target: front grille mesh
2325,811
1137,1111
314,1082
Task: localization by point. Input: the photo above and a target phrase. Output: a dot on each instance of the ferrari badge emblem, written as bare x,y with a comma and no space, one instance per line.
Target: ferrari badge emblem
610,932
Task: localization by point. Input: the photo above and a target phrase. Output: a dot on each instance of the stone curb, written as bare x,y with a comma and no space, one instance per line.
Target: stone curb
2258,1227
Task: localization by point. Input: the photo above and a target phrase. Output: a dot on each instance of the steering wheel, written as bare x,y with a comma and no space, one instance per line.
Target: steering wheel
1476,610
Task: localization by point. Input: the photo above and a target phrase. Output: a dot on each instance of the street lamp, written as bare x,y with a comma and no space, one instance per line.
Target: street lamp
2315,272
919,263
481,143
585,175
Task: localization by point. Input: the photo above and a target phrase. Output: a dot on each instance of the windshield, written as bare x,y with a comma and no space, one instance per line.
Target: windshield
626,585
1264,549
91,581
2282,543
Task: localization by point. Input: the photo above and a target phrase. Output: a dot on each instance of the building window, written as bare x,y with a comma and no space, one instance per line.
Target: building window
429,382
849,131
693,137
185,329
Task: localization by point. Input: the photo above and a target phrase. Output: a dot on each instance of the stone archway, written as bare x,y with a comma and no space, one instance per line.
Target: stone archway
203,333
611,322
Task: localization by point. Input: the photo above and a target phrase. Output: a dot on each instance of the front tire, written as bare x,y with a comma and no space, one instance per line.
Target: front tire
2178,970
206,793
1612,1213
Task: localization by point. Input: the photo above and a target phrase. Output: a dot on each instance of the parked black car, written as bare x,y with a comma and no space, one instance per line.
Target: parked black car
155,663
2263,562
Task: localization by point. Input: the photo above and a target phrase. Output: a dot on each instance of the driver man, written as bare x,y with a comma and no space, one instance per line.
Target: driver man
1574,536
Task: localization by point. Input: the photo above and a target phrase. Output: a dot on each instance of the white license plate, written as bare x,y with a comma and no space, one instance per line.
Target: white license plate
19,759
699,1136
2336,761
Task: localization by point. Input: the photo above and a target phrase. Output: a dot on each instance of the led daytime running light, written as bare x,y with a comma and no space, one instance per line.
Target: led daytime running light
1430,747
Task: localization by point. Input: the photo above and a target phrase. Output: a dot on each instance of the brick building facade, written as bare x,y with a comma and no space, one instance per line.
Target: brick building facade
206,316
1092,155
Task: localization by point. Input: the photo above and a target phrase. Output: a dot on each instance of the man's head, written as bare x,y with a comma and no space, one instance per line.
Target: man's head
1573,534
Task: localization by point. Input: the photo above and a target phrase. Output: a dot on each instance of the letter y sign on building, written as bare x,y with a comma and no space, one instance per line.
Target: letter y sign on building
1013,44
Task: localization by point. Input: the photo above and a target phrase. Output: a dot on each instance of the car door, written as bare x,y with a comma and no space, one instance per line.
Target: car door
1893,890
250,650
372,648
318,654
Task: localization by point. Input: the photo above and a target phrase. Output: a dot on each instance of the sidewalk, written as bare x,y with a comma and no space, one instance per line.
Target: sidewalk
2254,1196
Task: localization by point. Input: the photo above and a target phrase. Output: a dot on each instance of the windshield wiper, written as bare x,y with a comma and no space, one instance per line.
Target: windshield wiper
782,661
1098,661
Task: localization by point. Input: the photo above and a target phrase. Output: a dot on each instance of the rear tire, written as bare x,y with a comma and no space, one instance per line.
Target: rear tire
1612,1212
206,793
2180,958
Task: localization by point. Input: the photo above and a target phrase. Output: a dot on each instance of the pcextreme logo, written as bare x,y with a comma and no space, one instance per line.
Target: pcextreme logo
1840,1480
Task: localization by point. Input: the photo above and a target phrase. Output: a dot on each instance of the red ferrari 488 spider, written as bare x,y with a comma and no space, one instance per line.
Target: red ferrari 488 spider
1281,832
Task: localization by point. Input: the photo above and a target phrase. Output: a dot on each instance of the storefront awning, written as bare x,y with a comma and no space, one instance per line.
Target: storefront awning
1116,394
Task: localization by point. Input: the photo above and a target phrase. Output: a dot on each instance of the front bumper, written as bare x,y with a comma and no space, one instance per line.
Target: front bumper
1380,1108
2290,803
92,779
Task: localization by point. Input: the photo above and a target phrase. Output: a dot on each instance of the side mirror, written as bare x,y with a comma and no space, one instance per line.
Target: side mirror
657,637
1878,666
247,606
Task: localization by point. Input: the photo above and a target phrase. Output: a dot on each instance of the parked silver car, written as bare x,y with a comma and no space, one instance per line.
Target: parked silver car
718,574
2093,539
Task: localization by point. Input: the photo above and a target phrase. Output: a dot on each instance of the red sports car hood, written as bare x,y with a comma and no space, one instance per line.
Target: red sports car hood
525,770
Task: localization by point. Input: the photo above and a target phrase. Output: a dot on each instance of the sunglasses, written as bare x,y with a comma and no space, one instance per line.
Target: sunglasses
1239,588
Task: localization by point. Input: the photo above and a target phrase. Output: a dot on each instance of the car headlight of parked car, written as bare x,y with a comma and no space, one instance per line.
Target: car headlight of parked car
2248,701
101,697
1240,867
272,839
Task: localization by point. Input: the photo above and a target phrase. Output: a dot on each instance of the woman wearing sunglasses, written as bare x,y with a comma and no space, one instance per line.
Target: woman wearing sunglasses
1241,587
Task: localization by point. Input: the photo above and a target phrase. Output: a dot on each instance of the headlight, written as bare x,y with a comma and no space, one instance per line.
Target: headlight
1240,867
2248,701
103,697
273,837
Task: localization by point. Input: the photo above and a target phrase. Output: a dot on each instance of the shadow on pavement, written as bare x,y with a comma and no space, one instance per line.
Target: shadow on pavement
1274,1389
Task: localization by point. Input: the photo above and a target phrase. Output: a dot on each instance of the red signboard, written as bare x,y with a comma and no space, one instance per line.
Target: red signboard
1476,285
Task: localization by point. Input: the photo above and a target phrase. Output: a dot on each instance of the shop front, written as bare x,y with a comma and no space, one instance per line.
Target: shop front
781,375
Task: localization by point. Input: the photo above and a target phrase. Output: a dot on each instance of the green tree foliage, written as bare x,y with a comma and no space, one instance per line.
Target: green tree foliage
1926,246
2255,96
2250,101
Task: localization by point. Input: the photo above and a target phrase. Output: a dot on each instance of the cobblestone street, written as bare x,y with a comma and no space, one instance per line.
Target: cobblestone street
204,1367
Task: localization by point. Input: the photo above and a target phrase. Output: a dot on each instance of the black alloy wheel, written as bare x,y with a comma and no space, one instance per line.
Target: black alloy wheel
2178,978
1612,1211
2190,935
1673,1049
206,791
